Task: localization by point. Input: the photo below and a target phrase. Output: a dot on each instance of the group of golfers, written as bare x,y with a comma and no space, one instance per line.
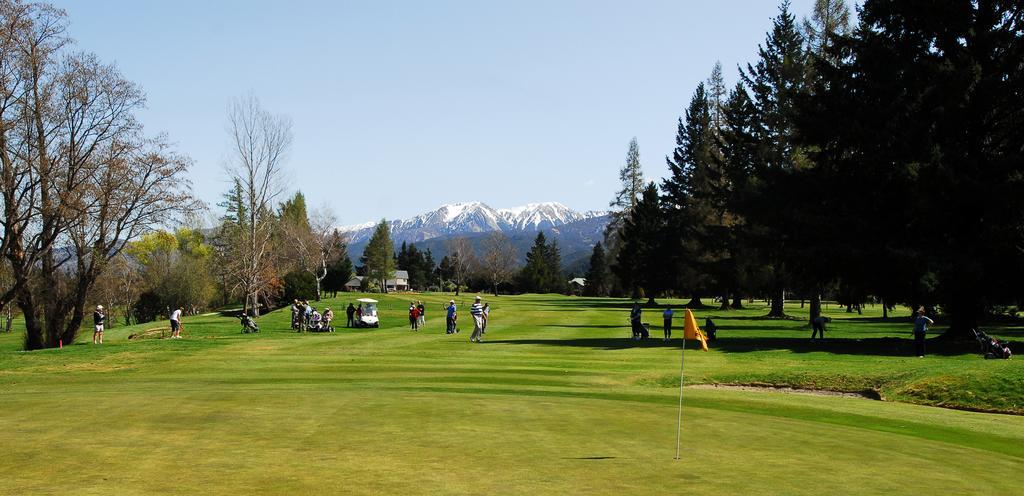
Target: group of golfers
480,313
99,320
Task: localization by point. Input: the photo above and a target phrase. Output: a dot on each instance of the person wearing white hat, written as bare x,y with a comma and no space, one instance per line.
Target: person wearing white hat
98,319
477,311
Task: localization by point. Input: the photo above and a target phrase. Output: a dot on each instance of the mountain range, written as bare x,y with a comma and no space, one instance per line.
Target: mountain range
576,232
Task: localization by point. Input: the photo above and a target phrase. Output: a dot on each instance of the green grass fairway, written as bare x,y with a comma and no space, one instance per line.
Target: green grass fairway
556,400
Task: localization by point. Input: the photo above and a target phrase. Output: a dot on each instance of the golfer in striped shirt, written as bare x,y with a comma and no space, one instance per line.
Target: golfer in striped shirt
477,311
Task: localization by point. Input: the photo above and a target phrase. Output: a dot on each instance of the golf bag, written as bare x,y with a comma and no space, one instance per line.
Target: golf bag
992,348
640,330
248,324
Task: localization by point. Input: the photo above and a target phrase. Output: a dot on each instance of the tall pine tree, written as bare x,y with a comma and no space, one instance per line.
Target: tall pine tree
640,263
597,275
777,81
542,272
924,169
379,256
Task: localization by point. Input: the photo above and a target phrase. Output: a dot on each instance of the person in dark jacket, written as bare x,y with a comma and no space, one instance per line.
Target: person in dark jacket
350,312
818,325
711,329
98,320
635,316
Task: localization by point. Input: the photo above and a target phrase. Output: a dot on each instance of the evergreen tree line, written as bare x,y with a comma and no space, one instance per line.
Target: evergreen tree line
881,160
463,267
419,264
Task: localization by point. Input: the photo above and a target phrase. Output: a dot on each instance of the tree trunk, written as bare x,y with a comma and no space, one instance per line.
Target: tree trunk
33,328
885,309
74,324
725,302
778,301
737,302
964,310
694,302
651,302
815,310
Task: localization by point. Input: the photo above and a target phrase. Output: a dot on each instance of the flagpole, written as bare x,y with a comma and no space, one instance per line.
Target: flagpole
679,419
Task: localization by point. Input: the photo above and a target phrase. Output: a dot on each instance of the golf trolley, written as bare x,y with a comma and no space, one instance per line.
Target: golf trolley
991,347
640,330
248,324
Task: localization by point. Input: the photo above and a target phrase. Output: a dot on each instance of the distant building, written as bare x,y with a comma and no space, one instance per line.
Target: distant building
576,285
354,284
398,282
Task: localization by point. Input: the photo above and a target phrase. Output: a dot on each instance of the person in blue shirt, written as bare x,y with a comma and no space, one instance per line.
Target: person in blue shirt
667,316
452,319
921,324
307,315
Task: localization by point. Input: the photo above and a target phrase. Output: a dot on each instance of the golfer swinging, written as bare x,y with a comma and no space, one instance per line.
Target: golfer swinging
176,323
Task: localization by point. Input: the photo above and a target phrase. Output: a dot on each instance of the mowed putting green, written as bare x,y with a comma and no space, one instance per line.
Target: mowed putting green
556,400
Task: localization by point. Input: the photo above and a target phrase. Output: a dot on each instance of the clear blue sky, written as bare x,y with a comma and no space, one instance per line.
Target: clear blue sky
399,107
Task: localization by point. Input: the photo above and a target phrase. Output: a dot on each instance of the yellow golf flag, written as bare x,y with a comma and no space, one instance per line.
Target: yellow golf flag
691,331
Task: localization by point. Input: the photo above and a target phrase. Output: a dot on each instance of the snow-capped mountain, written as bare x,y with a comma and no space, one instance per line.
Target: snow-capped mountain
575,232
536,216
471,218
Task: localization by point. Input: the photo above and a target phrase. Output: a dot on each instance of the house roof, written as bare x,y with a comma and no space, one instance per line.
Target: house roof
399,274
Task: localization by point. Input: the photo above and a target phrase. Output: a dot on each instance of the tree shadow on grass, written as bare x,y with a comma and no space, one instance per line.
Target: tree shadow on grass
592,304
588,326
881,346
593,343
888,346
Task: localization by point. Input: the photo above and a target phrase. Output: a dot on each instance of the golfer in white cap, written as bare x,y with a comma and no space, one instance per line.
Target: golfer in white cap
477,311
98,319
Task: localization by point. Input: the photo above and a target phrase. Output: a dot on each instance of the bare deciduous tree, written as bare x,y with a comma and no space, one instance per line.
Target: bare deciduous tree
259,143
499,259
463,259
31,34
316,247
79,177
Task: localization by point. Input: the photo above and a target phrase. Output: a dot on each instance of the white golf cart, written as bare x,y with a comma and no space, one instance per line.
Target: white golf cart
369,316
